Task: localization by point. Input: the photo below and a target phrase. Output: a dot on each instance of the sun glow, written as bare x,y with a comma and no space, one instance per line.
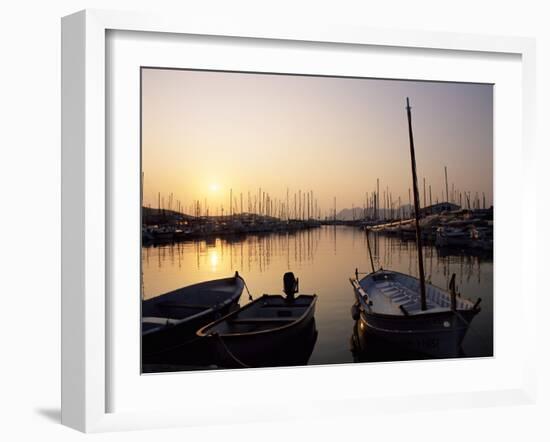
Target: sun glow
214,187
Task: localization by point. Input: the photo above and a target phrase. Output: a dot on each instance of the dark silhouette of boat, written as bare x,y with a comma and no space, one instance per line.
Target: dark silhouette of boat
273,330
170,320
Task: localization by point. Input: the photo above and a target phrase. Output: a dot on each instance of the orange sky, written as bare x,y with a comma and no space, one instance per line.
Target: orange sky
204,133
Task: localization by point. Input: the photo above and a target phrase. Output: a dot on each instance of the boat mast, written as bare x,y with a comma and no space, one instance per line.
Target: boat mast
446,185
417,214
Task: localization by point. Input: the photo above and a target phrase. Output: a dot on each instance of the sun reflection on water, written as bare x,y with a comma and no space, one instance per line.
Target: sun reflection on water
213,259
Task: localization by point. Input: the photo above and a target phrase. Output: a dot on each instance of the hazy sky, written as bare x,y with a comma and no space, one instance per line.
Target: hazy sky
206,132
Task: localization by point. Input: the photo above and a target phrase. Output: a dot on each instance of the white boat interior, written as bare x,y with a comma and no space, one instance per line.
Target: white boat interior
266,313
389,291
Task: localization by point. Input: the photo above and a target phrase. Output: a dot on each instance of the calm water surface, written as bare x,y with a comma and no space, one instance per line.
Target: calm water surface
324,259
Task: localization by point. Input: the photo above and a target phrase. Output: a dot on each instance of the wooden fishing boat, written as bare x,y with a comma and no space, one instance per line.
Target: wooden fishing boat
264,332
389,306
169,320
406,311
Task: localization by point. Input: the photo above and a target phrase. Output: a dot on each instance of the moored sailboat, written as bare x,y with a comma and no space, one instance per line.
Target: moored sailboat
404,310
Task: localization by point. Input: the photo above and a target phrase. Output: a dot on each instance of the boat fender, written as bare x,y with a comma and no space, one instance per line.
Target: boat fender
355,312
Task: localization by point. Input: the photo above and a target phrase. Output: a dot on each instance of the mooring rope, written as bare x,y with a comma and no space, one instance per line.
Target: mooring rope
250,298
231,355
469,326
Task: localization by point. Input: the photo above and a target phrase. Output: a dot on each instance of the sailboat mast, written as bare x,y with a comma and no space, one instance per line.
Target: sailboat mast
417,214
446,185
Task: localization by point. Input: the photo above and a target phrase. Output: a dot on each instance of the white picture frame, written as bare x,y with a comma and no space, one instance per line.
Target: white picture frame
85,200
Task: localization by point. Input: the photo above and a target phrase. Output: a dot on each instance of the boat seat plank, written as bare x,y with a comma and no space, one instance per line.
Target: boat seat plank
389,288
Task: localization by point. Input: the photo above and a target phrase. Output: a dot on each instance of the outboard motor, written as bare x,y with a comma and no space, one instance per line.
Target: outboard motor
290,284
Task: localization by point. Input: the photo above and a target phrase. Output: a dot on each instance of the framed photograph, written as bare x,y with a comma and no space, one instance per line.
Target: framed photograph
273,210
209,137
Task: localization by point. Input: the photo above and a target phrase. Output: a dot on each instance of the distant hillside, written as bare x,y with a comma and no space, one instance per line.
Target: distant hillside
348,214
148,212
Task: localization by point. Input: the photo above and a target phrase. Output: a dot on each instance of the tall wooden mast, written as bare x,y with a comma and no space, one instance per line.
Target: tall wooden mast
417,213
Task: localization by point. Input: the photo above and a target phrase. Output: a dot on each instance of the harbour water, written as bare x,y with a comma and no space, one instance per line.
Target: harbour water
323,259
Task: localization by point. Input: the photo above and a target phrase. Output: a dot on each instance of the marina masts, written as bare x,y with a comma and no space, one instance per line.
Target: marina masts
446,185
377,208
417,213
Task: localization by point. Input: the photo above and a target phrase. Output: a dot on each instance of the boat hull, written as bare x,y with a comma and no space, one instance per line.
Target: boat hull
177,329
283,346
436,335
165,344
288,348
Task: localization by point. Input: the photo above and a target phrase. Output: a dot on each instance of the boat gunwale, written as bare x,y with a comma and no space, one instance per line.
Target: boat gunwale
197,284
412,331
423,315
202,331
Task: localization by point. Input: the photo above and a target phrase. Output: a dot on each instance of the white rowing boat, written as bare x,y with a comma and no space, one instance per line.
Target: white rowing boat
389,307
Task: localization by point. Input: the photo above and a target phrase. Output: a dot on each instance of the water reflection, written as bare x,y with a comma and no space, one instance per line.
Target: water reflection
323,258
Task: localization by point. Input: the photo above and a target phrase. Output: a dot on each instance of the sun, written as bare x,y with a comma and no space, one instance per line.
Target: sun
214,187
